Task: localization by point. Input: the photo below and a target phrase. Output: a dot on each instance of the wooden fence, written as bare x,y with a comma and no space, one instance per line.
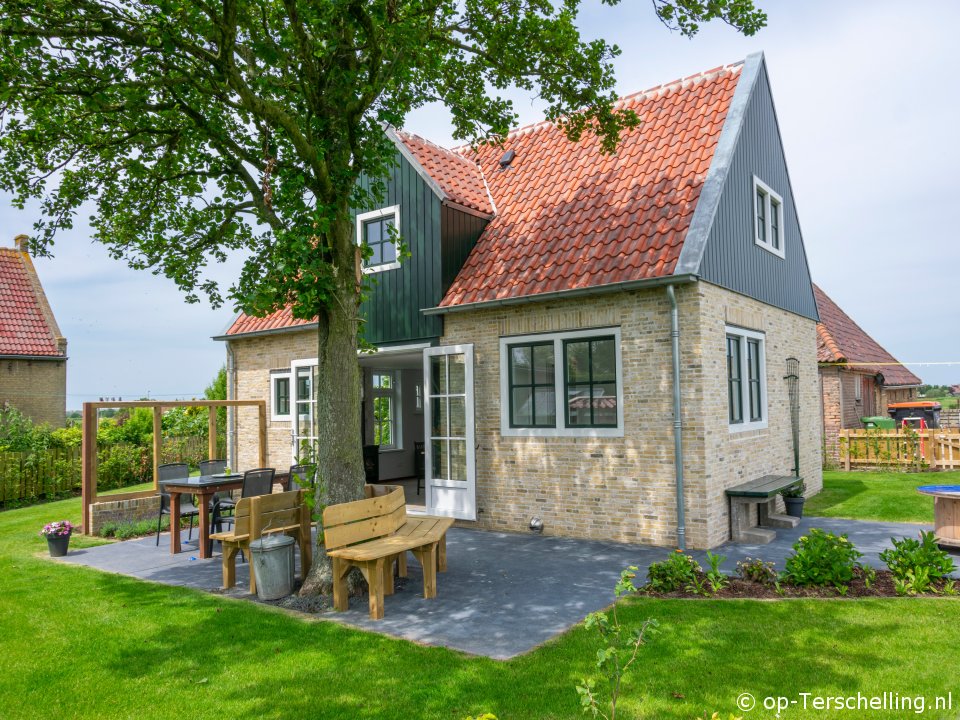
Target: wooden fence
901,449
30,477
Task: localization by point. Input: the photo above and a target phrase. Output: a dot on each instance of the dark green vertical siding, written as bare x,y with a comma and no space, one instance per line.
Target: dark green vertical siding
731,257
396,297
459,232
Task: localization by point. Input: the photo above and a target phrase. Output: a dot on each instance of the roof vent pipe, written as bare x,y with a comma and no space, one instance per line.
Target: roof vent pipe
507,158
22,243
677,422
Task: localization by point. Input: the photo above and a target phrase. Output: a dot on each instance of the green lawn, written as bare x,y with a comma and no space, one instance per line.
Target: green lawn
83,644
886,496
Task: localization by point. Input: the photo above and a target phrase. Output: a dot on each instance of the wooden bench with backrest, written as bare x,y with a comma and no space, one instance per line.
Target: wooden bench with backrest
761,493
374,533
262,515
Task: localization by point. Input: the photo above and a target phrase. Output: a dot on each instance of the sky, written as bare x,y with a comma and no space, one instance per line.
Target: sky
866,99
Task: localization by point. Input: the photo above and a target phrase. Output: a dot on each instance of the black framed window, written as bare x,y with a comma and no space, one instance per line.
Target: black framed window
377,233
753,379
281,395
532,385
761,216
734,379
775,224
590,382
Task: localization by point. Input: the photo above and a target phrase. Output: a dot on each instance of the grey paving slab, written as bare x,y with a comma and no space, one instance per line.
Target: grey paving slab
503,594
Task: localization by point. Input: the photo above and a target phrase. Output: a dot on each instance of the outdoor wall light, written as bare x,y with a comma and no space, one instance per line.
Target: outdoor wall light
536,525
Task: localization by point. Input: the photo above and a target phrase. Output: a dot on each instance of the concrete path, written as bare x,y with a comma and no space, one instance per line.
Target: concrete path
503,594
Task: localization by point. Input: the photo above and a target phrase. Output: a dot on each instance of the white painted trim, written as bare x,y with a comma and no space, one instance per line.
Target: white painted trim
561,430
772,195
396,406
288,376
376,215
395,350
746,425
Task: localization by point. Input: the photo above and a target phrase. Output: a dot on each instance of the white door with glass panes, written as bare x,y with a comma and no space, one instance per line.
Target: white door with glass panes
449,430
303,377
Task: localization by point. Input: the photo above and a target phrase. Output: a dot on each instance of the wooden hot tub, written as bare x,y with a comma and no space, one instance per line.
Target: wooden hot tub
946,512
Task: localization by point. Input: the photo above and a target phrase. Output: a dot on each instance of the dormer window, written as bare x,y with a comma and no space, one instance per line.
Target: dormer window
378,230
767,218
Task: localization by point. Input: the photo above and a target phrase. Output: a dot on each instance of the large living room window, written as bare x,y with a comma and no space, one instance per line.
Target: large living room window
562,384
378,230
746,380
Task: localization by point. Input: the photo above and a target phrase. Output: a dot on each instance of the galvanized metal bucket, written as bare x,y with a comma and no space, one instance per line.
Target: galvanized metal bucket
272,562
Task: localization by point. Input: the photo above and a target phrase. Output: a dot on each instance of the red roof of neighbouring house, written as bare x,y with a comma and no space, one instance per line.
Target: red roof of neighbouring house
566,216
570,217
27,325
457,176
841,340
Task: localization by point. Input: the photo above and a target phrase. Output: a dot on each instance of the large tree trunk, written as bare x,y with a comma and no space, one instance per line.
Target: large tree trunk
338,391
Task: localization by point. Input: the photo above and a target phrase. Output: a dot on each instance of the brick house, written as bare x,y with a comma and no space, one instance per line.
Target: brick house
527,342
33,352
858,378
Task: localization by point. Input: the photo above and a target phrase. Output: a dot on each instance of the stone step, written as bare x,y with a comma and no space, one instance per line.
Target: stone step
756,536
781,521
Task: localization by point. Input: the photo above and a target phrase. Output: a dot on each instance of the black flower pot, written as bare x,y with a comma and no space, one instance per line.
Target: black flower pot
794,506
57,545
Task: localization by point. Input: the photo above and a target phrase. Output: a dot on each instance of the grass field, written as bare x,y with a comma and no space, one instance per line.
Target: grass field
83,644
886,496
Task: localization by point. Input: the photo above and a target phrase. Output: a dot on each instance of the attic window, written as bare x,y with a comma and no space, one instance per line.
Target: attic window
378,230
767,218
507,158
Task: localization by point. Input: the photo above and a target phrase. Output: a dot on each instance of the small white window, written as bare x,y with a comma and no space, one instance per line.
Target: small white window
746,380
386,405
767,218
280,395
858,388
378,230
562,384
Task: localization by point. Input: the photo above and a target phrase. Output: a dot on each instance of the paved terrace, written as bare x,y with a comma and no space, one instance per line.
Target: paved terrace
503,594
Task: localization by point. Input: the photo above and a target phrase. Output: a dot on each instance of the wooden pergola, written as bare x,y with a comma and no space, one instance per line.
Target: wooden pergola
89,447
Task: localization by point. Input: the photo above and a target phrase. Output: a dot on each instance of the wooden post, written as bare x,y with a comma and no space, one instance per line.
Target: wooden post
262,417
846,459
157,445
931,449
88,463
212,432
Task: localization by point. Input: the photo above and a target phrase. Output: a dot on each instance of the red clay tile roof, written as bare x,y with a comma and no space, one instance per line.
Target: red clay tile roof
27,326
841,340
457,176
278,320
570,217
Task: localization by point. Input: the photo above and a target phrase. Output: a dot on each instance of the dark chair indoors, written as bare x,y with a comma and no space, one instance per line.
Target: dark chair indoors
175,471
302,476
419,463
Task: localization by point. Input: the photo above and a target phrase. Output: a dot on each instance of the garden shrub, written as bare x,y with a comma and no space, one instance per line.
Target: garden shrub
921,558
756,570
822,559
674,573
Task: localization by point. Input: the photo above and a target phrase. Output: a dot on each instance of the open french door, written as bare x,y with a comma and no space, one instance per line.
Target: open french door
303,378
449,429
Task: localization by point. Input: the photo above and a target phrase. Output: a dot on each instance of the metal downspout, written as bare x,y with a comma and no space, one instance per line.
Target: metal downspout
677,422
231,411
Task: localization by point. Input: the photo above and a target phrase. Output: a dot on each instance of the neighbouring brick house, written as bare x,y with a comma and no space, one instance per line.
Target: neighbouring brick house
858,378
527,341
33,353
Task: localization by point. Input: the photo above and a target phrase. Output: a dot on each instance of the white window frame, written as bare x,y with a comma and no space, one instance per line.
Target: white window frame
771,196
561,430
291,400
745,424
362,218
858,389
396,432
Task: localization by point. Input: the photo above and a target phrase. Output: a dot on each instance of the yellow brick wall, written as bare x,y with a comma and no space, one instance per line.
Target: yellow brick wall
37,388
255,357
624,488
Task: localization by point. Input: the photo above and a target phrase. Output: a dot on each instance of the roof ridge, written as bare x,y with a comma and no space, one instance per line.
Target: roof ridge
620,101
451,152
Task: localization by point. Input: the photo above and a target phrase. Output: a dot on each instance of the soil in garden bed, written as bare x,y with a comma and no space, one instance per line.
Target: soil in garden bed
882,586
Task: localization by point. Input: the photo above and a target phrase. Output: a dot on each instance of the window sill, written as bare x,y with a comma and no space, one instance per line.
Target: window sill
748,431
562,432
770,249
384,451
381,268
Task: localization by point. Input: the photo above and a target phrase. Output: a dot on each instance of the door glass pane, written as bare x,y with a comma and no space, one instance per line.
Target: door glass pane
458,460
438,448
458,416
438,416
458,375
438,375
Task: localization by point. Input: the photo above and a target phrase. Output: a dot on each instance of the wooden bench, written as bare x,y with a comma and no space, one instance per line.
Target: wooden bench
761,492
373,534
255,517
